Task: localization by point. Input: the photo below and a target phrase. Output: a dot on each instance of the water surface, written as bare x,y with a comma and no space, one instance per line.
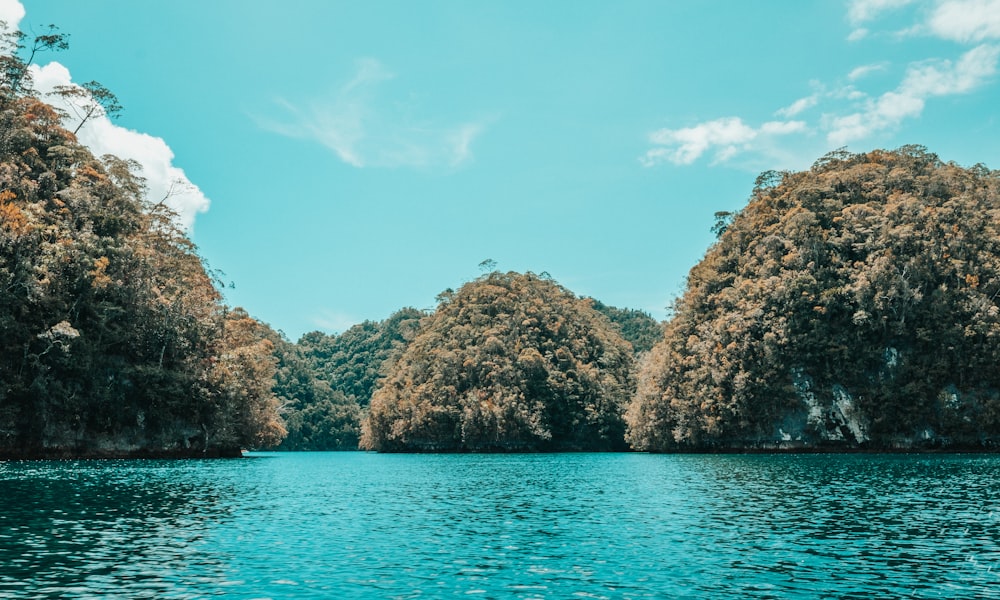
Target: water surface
357,525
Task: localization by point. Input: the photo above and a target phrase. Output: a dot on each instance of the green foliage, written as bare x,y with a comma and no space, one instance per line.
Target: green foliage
317,417
854,303
510,362
89,100
325,381
113,338
15,78
636,326
353,362
722,220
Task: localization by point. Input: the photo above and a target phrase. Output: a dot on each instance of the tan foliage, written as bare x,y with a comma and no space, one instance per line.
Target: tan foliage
510,362
826,274
112,334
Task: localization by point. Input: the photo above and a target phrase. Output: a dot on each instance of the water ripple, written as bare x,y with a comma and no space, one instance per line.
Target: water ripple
355,525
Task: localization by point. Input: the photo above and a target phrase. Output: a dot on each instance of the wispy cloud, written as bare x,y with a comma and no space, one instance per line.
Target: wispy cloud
860,12
841,112
727,137
866,70
863,11
922,81
966,21
800,105
364,127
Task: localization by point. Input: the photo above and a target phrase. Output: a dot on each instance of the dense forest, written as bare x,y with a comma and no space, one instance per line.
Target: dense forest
509,362
325,382
114,340
850,306
636,326
853,305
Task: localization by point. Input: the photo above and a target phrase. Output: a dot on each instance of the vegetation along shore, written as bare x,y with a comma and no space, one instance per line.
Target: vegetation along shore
853,306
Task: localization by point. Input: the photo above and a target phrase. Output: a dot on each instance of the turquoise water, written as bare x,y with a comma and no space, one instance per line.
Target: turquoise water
357,525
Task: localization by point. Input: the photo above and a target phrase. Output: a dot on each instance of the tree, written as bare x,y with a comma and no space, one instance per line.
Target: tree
852,305
722,220
114,340
325,382
511,362
89,100
13,68
354,361
316,416
636,326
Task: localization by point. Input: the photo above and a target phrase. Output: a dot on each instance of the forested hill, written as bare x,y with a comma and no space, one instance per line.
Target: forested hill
113,338
509,362
325,382
853,305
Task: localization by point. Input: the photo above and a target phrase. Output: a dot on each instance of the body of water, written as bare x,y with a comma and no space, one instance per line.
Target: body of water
359,525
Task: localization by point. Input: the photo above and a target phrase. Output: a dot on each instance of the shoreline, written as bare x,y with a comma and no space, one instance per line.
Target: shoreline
40,454
68,455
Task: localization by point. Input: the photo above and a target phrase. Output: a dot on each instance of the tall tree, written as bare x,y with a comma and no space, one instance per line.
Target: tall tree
88,101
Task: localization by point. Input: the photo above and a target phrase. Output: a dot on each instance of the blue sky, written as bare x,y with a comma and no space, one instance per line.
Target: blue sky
341,160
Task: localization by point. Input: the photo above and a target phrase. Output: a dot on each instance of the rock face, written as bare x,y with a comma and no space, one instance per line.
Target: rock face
851,306
511,362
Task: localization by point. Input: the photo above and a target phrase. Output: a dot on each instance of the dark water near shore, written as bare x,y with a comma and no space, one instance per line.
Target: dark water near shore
355,525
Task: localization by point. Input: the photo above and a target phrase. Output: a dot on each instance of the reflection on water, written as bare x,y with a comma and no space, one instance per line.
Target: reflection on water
356,525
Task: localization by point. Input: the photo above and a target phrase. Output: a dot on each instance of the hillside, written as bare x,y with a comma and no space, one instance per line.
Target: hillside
324,382
114,340
509,362
853,305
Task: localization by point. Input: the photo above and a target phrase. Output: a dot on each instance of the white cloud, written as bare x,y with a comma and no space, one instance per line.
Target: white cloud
728,136
846,92
862,117
800,105
101,136
860,12
461,142
865,70
850,114
782,127
360,126
966,21
942,77
11,12
922,81
164,181
863,11
858,34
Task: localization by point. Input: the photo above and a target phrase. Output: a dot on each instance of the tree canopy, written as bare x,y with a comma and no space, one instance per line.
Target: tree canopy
113,337
853,304
325,381
509,362
636,326
352,362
